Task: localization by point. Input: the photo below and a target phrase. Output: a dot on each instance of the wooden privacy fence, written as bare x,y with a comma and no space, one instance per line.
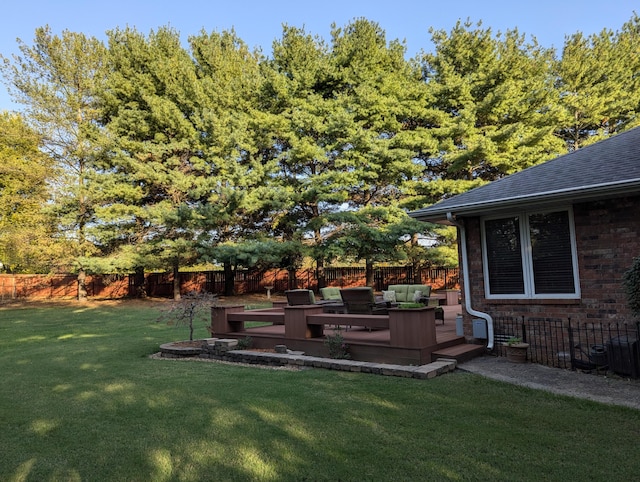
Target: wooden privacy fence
61,286
245,281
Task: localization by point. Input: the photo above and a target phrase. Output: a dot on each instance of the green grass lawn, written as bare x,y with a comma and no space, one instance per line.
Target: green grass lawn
80,399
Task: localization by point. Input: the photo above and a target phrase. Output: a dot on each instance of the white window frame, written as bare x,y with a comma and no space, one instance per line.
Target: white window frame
526,257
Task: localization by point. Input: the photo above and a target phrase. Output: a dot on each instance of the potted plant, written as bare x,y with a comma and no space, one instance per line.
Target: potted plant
516,350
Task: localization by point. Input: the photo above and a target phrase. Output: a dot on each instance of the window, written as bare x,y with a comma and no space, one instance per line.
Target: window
530,255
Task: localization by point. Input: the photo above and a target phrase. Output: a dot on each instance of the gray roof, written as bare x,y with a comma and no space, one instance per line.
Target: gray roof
608,168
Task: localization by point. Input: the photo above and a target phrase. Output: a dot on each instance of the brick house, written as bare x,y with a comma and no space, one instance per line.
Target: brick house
552,240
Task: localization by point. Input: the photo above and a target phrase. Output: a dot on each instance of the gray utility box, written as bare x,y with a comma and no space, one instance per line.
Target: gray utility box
479,328
624,356
459,325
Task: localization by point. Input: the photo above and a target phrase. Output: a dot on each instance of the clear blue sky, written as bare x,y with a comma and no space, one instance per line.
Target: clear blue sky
259,22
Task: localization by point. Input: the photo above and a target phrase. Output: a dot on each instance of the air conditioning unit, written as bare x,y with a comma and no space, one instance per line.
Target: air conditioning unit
622,354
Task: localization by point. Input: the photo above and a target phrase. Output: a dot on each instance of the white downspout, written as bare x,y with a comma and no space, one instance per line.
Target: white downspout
467,286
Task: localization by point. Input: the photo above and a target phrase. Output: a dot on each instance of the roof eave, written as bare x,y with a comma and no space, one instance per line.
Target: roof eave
539,200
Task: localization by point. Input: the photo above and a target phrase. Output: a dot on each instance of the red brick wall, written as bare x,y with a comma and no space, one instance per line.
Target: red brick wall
607,239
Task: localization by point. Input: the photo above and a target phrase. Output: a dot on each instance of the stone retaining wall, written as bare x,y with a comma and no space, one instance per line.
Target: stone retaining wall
226,350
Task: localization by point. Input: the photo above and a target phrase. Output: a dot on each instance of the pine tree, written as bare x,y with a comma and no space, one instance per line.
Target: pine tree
598,85
237,212
495,94
57,80
160,172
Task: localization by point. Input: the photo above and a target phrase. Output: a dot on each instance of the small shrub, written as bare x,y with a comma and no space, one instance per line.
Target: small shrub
245,343
631,283
337,347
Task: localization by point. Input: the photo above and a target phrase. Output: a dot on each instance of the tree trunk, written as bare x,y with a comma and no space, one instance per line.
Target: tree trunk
293,280
82,285
320,274
416,263
369,281
417,273
176,280
139,283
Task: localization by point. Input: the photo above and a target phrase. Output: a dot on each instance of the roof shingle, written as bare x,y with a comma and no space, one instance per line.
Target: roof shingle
606,168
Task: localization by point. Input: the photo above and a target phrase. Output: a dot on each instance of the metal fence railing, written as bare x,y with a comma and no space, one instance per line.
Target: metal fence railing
600,347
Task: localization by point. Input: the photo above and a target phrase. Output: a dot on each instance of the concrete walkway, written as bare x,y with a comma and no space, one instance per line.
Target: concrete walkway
610,390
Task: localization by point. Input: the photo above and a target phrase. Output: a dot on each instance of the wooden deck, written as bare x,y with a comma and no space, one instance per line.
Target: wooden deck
371,343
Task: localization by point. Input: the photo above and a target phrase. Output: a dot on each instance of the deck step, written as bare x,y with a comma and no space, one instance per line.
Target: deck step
461,353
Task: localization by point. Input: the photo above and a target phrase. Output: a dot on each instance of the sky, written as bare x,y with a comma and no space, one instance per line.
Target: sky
259,22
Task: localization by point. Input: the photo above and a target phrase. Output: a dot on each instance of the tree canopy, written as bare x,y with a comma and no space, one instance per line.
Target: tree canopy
144,152
25,228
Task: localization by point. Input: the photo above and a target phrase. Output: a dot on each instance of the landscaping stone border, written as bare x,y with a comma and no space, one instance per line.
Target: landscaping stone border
225,350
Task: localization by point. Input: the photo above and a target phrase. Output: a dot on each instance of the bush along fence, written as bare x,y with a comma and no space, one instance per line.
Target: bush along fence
611,347
16,286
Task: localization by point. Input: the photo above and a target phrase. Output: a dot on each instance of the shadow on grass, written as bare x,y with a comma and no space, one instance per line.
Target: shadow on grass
80,400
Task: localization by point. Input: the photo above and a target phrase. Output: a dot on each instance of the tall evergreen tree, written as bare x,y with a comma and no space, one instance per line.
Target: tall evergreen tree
57,80
150,108
496,94
308,136
237,212
598,85
344,119
388,107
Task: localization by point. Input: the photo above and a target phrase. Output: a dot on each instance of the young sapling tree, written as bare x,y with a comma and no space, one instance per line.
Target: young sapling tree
188,309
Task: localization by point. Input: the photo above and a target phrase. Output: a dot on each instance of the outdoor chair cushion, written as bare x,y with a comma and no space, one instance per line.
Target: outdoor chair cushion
300,297
331,293
405,293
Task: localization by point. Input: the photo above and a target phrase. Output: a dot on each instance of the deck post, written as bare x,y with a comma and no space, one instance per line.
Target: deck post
412,327
295,322
219,322
452,297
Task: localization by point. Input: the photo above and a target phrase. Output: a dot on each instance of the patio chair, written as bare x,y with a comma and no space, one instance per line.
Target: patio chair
362,301
331,300
300,297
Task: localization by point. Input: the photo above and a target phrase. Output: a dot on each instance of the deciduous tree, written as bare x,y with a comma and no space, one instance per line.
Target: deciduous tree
28,240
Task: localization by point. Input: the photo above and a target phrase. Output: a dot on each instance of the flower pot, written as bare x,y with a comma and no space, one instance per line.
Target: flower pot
517,352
